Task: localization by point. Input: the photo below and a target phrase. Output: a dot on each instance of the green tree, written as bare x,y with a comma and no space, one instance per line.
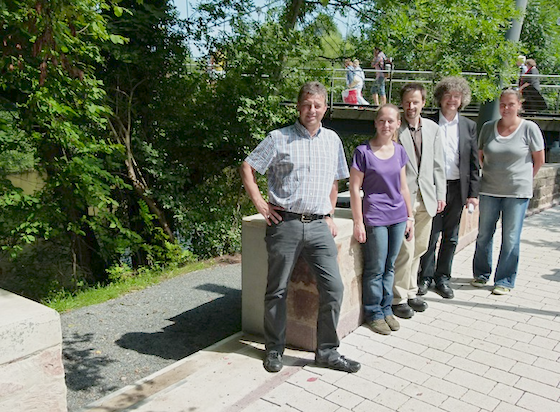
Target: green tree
447,37
540,35
146,90
57,104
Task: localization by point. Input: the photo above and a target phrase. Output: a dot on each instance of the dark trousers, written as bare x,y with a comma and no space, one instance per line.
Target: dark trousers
445,223
285,242
533,100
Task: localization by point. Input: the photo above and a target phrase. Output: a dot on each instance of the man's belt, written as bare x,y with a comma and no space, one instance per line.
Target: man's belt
304,217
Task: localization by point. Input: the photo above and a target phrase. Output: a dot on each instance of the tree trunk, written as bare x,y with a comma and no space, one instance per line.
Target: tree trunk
291,15
293,10
122,131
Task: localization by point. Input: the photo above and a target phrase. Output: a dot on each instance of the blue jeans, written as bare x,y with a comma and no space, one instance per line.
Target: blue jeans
379,86
380,252
512,210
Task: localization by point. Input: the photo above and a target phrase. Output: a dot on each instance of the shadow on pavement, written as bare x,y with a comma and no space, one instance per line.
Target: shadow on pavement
192,330
83,368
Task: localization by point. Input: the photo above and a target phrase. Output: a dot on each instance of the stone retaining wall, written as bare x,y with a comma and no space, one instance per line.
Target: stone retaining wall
546,188
31,369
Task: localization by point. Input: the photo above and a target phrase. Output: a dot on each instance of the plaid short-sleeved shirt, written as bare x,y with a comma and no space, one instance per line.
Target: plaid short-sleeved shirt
301,168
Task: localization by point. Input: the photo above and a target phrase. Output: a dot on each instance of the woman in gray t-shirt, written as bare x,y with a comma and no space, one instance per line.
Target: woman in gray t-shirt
511,152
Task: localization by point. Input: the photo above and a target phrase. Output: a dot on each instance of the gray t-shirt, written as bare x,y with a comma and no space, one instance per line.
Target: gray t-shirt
507,170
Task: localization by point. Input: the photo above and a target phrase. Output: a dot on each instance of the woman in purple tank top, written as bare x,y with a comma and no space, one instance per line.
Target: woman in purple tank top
382,217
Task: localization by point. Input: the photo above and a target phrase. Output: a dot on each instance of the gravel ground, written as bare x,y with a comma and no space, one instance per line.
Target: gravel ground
114,344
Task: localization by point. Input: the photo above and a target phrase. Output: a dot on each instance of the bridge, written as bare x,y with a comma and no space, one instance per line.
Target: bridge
348,119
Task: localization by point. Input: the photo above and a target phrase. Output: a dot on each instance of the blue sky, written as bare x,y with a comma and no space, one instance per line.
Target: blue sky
186,8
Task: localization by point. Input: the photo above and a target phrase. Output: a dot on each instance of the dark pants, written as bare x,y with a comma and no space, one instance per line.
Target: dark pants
445,223
285,242
533,100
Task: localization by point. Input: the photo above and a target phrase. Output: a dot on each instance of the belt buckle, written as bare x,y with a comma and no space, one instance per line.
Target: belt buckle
306,218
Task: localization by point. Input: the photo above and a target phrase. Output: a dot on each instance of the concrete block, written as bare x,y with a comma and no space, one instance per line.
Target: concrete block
31,369
303,298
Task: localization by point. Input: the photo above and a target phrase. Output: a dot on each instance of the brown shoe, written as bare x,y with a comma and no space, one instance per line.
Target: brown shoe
379,326
393,323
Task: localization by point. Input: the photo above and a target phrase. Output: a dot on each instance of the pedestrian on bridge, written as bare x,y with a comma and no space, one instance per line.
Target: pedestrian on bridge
530,87
303,162
378,63
359,79
511,152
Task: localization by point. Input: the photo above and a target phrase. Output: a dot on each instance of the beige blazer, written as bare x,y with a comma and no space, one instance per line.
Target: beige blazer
430,179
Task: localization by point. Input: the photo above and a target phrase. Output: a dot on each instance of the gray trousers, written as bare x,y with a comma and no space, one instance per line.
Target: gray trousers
285,242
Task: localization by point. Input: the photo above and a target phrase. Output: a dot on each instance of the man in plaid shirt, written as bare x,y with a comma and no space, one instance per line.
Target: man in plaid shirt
303,163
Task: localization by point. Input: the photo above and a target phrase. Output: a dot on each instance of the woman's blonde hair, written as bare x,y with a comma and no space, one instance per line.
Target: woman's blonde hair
395,137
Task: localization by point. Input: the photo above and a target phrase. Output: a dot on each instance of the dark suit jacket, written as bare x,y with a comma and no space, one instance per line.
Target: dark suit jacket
469,167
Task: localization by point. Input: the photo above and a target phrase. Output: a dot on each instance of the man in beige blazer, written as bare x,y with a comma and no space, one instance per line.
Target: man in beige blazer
425,173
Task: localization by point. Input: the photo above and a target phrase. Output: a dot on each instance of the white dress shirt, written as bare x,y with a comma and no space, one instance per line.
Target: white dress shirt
450,133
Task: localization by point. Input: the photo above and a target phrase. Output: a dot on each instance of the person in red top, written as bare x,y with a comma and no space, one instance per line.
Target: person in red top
530,88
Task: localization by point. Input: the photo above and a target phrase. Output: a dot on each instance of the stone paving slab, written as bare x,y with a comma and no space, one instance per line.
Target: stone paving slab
477,352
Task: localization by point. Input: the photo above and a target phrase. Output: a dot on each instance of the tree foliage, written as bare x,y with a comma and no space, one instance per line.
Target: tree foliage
54,100
540,35
448,37
138,143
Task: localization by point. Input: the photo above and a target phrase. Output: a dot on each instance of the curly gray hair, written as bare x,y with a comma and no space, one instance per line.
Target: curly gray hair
453,84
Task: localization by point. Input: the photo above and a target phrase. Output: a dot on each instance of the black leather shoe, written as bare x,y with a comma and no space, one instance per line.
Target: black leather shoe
340,364
418,304
444,290
423,286
403,311
273,361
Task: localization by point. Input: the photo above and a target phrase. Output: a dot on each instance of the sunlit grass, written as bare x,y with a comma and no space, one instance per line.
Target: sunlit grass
66,301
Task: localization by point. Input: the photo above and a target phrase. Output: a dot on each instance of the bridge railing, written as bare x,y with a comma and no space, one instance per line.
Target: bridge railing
395,79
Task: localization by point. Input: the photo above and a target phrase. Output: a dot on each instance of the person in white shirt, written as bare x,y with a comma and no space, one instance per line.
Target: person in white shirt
460,149
359,79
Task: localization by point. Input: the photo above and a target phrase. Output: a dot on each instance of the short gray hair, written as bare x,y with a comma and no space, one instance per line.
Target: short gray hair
313,88
453,84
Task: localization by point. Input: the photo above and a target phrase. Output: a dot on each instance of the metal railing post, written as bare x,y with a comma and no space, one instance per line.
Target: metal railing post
332,88
390,84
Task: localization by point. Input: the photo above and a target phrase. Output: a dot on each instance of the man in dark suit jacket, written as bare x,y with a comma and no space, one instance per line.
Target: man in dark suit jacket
462,168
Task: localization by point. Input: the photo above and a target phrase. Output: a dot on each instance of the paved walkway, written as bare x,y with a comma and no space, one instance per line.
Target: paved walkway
477,352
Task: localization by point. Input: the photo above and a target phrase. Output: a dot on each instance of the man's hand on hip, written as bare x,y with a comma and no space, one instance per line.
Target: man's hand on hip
269,212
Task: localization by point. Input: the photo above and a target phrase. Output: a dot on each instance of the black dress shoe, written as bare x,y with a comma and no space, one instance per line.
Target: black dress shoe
403,311
273,361
418,304
423,286
340,364
444,290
